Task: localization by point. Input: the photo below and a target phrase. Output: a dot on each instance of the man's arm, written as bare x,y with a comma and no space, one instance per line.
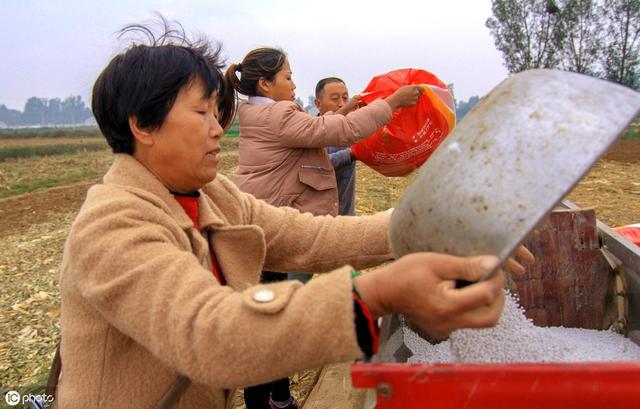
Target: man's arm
339,157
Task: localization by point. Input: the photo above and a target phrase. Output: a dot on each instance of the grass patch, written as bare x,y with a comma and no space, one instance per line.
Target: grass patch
229,144
24,175
9,152
46,182
234,129
5,143
50,132
633,130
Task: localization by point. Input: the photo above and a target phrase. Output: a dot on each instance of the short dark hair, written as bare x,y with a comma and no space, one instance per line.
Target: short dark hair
144,80
262,62
321,84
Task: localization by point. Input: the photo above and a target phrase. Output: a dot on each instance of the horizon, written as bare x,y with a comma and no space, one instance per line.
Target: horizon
61,54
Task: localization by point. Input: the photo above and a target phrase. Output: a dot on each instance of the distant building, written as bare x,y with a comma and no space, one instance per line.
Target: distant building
3,125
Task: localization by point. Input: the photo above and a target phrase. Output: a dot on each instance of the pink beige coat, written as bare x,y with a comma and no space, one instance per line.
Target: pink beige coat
140,304
282,152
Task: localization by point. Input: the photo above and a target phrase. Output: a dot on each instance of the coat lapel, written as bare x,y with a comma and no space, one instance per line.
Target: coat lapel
240,249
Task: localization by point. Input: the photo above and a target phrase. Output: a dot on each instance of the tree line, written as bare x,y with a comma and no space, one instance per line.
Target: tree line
600,38
42,111
594,37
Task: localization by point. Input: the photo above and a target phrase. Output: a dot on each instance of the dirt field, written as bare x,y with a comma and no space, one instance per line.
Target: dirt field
612,187
34,226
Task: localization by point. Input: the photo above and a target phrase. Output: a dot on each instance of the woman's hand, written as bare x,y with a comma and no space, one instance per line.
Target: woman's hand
421,286
515,263
351,105
406,96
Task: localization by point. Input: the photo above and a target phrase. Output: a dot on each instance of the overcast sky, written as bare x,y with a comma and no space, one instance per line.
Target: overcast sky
57,48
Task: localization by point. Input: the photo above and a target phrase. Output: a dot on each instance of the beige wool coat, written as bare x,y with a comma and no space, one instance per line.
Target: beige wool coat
140,304
282,152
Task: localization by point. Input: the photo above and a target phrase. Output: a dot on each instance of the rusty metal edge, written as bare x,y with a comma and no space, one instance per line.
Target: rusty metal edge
627,252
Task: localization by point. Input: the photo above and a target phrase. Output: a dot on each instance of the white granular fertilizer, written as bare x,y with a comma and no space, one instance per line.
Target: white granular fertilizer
516,339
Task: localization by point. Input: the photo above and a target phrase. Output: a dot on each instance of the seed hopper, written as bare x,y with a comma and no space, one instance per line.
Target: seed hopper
497,182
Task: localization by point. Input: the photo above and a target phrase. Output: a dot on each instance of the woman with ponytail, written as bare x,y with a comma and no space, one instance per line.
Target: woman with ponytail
283,159
282,148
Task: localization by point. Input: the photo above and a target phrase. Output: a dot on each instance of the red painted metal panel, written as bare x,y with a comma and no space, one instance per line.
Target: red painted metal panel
525,386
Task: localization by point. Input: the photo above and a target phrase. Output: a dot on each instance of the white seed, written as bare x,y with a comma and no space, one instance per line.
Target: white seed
516,339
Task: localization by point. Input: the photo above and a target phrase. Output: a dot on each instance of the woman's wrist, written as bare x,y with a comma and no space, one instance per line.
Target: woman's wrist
367,288
391,100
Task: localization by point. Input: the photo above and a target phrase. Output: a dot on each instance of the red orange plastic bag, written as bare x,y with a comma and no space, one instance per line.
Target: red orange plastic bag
631,233
414,133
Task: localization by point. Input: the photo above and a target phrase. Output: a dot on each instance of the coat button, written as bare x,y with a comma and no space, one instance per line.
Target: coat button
264,295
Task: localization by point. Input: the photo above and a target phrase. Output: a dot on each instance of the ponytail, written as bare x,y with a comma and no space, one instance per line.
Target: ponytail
227,105
231,79
259,63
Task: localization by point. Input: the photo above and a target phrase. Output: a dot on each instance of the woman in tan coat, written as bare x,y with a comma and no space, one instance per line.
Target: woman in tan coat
158,277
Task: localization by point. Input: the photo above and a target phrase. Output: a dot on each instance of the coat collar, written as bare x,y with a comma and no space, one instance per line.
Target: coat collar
259,100
133,176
